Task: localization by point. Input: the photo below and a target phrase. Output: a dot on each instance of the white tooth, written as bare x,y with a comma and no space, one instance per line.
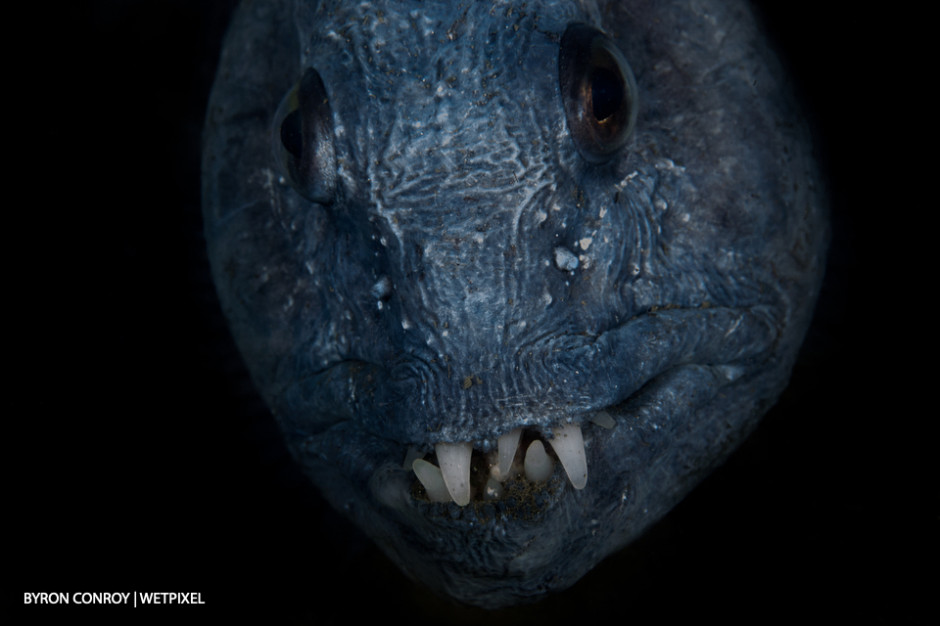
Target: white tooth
538,465
603,419
455,467
430,476
569,446
507,445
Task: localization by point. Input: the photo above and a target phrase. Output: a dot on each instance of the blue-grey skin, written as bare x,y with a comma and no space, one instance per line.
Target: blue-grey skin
463,270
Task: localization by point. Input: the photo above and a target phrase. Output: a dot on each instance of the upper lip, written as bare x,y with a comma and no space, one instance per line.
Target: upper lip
694,369
569,380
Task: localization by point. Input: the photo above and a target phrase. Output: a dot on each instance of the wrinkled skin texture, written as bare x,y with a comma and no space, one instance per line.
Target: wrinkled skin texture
421,301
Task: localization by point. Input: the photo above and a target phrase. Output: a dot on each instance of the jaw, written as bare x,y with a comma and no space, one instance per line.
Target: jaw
541,535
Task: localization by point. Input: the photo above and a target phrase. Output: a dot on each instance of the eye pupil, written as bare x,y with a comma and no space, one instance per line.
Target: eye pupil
606,93
292,137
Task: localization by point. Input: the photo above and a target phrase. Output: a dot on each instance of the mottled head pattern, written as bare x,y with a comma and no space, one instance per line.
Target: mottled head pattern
512,276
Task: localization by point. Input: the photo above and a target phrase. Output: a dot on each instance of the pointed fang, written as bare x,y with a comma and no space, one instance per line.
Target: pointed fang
507,445
430,476
568,445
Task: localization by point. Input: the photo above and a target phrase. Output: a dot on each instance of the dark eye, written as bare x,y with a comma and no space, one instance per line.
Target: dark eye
303,139
598,91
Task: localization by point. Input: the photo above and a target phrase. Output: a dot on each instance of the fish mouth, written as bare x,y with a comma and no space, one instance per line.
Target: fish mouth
506,515
523,459
529,534
535,466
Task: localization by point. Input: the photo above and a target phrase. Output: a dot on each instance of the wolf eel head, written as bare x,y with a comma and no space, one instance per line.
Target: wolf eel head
512,277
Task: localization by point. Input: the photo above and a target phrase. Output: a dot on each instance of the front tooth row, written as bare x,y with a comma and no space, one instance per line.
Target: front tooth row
452,480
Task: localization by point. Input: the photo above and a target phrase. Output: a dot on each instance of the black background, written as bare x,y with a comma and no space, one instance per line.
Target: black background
139,458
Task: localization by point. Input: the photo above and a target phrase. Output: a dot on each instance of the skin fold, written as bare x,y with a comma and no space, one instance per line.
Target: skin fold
417,244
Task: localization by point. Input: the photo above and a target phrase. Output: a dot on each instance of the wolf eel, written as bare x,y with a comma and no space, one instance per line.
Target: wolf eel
511,276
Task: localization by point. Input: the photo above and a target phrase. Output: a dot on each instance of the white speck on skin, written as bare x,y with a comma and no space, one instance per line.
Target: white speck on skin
620,186
565,260
381,288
